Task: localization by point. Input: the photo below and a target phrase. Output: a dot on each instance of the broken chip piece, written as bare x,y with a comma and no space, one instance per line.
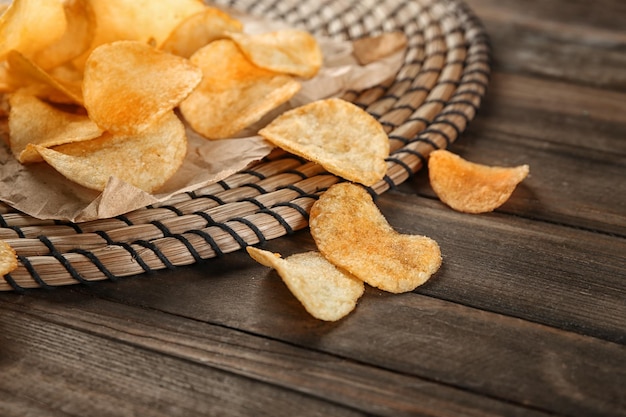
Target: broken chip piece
340,136
352,234
326,292
8,258
470,187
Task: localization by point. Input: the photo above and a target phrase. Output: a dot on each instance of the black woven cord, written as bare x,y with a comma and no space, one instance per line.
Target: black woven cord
302,211
128,248
398,161
257,187
74,226
209,239
254,173
194,253
96,261
240,241
149,245
173,209
63,260
441,133
251,226
16,287
298,173
279,219
33,273
124,219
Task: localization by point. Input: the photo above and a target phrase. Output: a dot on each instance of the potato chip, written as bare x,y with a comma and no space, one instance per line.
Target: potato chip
325,292
129,85
8,258
76,39
234,93
373,48
352,234
470,187
26,73
199,30
31,121
336,134
30,25
139,20
290,51
145,160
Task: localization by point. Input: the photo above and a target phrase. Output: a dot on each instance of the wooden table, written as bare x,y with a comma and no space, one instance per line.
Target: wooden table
527,315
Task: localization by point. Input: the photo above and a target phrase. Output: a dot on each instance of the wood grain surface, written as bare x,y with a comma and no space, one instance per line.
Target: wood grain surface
526,317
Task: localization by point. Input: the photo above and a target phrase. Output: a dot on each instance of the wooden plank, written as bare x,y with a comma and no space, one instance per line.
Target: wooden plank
555,112
67,371
478,351
334,379
582,42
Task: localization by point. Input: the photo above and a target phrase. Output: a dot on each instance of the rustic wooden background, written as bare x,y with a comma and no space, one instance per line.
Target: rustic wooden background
527,315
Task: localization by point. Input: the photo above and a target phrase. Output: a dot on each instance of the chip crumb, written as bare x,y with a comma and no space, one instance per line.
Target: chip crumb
8,258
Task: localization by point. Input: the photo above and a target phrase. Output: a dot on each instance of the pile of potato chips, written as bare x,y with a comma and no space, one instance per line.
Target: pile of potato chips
101,88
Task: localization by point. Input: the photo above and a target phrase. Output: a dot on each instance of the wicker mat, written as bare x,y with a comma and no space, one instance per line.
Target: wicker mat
426,106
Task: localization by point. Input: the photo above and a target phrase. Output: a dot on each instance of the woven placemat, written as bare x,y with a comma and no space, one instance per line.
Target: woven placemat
429,103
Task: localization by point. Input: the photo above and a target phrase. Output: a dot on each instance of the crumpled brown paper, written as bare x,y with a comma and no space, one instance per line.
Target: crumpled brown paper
41,192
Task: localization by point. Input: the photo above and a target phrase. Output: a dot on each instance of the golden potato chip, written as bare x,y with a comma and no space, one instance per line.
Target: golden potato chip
234,93
77,37
470,187
336,134
30,25
325,292
31,121
129,85
145,160
139,20
290,51
199,30
5,80
352,233
8,258
373,48
23,72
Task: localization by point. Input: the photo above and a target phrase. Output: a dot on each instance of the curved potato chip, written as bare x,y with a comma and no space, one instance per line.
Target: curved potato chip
290,51
139,20
352,233
146,160
470,187
8,258
24,72
336,134
199,30
129,85
234,93
30,25
76,39
325,292
31,121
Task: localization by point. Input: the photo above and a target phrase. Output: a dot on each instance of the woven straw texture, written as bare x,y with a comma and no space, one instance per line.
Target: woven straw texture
426,106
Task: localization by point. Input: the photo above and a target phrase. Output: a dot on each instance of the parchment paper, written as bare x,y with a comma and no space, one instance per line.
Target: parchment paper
41,192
